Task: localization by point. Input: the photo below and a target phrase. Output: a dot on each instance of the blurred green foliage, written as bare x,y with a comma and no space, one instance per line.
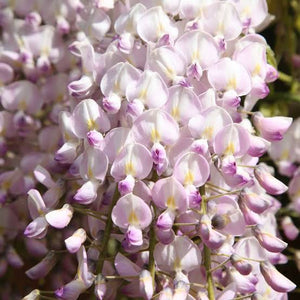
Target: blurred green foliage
283,35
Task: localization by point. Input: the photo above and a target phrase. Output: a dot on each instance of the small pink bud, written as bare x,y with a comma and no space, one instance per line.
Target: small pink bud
37,228
276,280
269,241
43,64
81,88
194,71
165,220
60,218
33,18
62,25
134,236
289,228
125,42
200,146
256,202
66,154
43,267
286,168
112,103
158,153
164,41
135,108
241,265
194,197
87,193
228,165
94,138
74,242
14,258
273,128
160,168
126,186
272,185
259,89
258,146
272,74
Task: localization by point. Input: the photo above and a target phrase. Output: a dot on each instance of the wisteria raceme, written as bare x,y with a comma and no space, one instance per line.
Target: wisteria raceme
127,134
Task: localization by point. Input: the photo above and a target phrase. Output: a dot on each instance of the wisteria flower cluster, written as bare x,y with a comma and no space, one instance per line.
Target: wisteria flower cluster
127,133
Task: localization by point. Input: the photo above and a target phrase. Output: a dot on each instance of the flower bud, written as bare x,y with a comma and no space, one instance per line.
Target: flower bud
258,203
272,185
165,220
66,154
194,197
134,236
74,242
33,18
228,165
269,241
158,153
126,186
258,146
13,258
272,74
60,218
200,146
290,230
112,103
87,193
43,64
134,108
41,269
241,265
276,280
94,138
125,42
271,129
194,71
62,25
81,88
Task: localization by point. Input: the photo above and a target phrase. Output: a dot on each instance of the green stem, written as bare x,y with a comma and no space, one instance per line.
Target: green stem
243,297
285,78
207,254
107,232
220,265
221,195
151,252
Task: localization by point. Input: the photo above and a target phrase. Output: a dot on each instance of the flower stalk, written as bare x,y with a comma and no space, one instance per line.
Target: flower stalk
207,252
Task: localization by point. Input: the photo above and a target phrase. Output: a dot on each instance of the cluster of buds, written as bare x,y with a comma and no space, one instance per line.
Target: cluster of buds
127,132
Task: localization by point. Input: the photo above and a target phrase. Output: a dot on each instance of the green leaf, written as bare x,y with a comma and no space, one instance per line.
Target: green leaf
271,57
